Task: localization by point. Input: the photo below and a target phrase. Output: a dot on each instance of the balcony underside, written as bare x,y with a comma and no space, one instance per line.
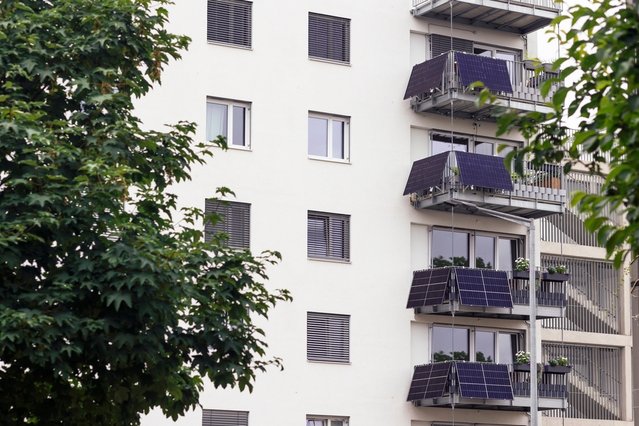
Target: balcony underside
516,17
519,403
521,312
464,105
498,201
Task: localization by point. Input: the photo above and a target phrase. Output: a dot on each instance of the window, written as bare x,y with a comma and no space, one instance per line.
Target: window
229,22
329,37
328,136
441,142
326,421
474,249
224,418
230,119
327,337
328,236
474,344
234,220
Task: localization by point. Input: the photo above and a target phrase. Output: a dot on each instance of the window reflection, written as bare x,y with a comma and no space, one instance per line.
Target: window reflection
484,346
484,252
450,343
449,248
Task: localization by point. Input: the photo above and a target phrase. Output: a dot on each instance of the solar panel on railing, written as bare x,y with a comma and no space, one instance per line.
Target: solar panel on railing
429,381
497,288
426,76
490,71
485,171
426,173
428,287
483,380
471,287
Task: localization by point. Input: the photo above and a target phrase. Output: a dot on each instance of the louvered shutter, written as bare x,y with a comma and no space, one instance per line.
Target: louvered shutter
328,235
327,337
229,21
329,37
224,418
235,221
440,44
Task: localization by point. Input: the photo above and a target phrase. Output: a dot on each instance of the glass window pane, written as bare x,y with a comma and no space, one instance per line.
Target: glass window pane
449,248
439,146
338,139
484,346
239,125
485,148
317,236
484,252
507,253
449,343
507,347
317,136
216,120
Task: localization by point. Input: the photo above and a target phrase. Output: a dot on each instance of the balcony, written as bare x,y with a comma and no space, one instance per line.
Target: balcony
475,385
483,293
521,17
463,181
443,85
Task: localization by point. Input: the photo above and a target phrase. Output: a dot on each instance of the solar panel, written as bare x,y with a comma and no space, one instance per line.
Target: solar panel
426,173
485,171
483,287
426,77
428,287
483,380
490,71
429,381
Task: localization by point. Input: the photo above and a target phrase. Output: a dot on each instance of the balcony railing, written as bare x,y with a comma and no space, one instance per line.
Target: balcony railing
520,17
440,183
439,82
447,383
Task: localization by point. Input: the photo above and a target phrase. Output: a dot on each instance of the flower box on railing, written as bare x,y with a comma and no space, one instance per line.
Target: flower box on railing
557,369
521,275
521,367
547,276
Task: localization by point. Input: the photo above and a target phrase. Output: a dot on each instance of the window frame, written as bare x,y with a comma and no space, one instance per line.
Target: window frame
213,206
329,237
230,104
471,141
334,337
330,119
327,420
472,344
346,22
241,417
249,24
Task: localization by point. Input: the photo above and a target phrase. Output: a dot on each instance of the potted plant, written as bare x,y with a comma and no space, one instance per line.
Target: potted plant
522,266
558,365
522,361
558,273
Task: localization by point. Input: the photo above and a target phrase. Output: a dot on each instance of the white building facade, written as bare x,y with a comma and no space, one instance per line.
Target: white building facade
328,125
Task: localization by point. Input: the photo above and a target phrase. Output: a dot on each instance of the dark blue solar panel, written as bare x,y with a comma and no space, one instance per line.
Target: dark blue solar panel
429,287
490,71
429,381
483,287
485,171
426,77
426,173
483,381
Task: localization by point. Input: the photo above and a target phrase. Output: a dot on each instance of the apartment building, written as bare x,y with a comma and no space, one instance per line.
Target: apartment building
356,149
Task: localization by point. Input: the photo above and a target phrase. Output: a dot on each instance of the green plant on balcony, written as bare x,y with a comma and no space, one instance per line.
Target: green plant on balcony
561,269
522,357
560,361
522,264
551,270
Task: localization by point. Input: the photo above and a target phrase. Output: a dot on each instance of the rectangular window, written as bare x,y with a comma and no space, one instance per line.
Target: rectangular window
329,37
232,219
230,119
229,22
328,236
449,248
224,418
471,344
328,136
442,142
326,421
327,337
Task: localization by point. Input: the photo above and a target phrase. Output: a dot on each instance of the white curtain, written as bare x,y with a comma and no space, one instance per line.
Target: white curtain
216,120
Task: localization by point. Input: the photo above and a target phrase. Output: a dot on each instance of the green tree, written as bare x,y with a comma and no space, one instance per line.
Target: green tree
108,309
601,46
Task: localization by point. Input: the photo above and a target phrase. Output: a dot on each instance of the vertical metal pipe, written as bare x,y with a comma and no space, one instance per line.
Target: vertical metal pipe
532,295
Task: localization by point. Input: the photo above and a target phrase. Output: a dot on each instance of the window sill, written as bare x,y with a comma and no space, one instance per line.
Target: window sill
313,361
329,160
240,148
330,260
329,61
236,46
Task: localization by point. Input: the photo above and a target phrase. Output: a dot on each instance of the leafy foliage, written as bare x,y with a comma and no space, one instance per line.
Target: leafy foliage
602,44
107,309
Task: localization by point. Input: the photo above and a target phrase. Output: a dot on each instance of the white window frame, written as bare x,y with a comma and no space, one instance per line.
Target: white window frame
472,339
327,420
329,138
229,103
472,141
